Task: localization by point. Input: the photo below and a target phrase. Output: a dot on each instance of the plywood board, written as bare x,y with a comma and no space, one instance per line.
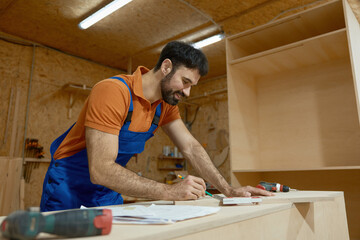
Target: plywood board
354,47
15,123
14,72
10,173
243,120
308,118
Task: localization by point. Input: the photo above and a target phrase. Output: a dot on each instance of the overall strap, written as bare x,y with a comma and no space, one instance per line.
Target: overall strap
156,118
131,108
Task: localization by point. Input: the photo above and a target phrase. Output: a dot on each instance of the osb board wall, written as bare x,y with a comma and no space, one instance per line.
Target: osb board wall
210,127
49,104
33,189
15,63
146,162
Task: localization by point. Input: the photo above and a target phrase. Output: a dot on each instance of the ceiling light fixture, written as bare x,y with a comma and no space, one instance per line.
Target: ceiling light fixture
103,12
208,41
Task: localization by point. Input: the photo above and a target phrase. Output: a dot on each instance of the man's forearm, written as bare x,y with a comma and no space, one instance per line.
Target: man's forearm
203,165
124,181
102,149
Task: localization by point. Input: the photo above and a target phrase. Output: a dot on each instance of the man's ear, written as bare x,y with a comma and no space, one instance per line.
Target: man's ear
166,66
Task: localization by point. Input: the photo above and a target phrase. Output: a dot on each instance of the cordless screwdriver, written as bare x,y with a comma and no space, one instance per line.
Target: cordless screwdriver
25,225
273,187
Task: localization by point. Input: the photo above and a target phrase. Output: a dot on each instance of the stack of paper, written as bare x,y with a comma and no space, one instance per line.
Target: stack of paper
158,214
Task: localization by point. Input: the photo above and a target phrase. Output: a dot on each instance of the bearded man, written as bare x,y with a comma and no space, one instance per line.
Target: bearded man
121,113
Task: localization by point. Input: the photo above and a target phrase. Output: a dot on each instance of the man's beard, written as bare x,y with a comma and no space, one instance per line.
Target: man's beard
167,93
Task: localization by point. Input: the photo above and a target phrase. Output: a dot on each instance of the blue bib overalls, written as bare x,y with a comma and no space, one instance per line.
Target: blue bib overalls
67,182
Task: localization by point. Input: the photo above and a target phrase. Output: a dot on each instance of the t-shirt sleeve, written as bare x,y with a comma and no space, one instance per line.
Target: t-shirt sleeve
107,108
171,113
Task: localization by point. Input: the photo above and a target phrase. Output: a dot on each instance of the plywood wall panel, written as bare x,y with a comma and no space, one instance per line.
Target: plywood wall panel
33,189
15,65
49,103
10,171
210,127
146,163
318,127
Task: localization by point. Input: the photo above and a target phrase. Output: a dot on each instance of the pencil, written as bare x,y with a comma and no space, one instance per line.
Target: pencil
205,191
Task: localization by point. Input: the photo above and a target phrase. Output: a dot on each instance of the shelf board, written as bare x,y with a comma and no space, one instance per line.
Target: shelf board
77,88
170,168
170,158
75,91
301,169
41,160
323,48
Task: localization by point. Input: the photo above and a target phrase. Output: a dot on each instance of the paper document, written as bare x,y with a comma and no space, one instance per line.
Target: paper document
158,214
182,212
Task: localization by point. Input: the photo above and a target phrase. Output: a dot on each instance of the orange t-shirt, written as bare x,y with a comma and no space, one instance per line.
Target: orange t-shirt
107,107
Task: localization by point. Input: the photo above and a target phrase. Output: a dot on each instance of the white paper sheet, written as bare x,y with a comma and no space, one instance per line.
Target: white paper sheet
182,212
158,214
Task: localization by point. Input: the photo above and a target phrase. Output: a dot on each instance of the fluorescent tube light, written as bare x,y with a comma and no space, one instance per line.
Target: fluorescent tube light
208,41
105,11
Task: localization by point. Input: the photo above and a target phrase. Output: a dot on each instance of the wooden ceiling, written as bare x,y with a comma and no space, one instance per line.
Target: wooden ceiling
135,34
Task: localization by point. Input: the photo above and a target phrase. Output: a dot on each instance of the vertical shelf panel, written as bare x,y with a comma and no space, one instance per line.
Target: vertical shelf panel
354,47
243,119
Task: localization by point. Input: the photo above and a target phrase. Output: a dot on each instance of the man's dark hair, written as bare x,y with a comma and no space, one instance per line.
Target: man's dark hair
183,54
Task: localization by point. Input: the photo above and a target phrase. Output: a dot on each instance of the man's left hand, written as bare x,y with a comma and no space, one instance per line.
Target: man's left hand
248,191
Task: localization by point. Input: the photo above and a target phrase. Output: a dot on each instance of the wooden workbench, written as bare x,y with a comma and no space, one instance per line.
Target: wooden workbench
294,215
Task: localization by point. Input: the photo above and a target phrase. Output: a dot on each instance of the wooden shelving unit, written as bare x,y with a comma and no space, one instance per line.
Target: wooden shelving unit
294,110
169,163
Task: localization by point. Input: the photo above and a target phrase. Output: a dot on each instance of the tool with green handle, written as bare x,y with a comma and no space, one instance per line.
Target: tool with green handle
26,225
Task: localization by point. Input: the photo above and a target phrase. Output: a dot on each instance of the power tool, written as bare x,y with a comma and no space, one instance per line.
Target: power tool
25,225
273,187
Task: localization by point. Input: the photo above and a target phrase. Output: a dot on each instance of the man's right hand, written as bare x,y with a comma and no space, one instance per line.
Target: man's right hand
190,188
